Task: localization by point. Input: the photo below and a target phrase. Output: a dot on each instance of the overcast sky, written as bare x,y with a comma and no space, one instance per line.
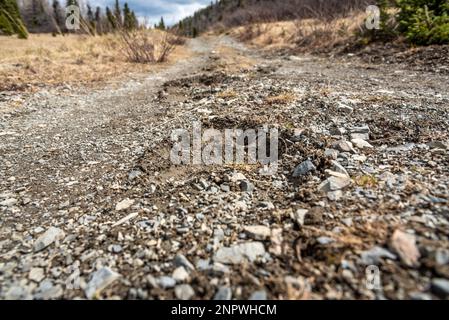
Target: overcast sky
171,10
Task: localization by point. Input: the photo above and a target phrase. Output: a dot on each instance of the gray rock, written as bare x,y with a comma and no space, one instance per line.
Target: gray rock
267,205
47,290
180,274
360,129
238,253
304,168
246,186
337,167
324,240
8,202
405,246
100,280
166,282
361,144
344,108
124,204
440,287
51,235
442,257
181,261
258,232
134,174
223,293
299,216
184,292
334,183
334,195
36,274
343,146
375,254
420,296
331,154
258,295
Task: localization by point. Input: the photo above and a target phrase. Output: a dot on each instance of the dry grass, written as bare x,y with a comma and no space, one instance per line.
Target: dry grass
304,34
284,98
73,59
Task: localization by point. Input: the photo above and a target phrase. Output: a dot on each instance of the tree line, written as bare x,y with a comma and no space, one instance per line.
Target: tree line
49,16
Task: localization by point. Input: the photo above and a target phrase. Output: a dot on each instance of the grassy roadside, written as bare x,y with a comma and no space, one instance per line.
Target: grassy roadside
44,60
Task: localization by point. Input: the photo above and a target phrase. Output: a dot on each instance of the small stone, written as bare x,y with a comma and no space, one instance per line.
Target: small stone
324,240
258,295
420,296
124,204
47,290
184,292
134,174
373,256
334,195
267,205
36,274
115,248
166,282
237,177
51,235
361,144
438,145
304,168
405,246
246,186
223,293
238,253
334,183
180,274
363,136
331,154
99,281
337,167
181,261
258,232
8,202
360,129
347,222
125,219
344,108
336,131
344,146
299,216
440,287
442,257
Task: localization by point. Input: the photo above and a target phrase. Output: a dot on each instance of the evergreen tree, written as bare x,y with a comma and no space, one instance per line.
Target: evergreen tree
118,14
57,13
111,18
127,17
161,24
10,20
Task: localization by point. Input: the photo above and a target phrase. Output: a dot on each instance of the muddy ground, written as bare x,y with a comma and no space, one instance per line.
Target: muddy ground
92,206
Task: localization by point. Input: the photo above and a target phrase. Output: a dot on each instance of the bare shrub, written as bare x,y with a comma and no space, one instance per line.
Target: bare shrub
144,46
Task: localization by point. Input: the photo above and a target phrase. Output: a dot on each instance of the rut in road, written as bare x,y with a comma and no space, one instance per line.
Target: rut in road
369,143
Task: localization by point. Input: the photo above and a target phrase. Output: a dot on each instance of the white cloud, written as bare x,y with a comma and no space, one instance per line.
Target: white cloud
152,10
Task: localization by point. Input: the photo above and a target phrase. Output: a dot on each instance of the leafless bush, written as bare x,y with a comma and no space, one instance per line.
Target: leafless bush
143,46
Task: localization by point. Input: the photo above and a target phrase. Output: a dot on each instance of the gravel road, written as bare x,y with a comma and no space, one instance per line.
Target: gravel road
92,207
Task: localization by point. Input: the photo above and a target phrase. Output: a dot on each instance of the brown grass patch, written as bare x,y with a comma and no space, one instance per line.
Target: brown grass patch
72,59
302,34
283,98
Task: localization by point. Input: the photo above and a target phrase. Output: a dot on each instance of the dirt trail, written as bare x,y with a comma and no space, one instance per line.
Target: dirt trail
81,160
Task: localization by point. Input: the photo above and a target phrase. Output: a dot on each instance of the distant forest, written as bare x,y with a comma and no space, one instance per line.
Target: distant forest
48,16
230,13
